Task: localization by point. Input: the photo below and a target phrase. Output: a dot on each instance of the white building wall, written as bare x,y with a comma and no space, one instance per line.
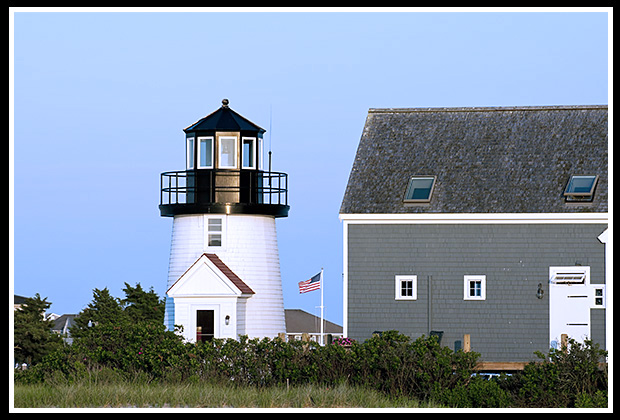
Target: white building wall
185,309
250,249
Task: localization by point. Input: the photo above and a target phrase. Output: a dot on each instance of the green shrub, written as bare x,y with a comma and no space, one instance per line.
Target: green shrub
598,400
388,362
564,378
476,393
391,363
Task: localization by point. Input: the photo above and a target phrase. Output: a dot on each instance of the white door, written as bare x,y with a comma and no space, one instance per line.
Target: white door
569,304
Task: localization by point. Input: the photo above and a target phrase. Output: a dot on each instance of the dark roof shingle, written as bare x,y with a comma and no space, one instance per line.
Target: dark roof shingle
487,160
224,119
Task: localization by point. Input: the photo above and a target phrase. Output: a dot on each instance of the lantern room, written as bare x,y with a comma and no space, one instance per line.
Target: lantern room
224,171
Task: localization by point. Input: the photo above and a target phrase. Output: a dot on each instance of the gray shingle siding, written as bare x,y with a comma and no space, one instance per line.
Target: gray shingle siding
509,160
510,324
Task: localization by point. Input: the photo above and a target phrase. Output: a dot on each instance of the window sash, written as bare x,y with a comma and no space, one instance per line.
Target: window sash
189,153
406,287
419,189
214,232
474,287
248,153
227,152
205,152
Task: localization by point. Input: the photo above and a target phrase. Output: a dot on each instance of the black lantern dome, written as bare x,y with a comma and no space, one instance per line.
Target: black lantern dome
224,171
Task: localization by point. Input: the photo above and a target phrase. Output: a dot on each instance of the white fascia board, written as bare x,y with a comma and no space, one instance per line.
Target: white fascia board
476,218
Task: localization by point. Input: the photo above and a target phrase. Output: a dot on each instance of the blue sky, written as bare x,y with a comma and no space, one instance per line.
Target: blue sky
100,101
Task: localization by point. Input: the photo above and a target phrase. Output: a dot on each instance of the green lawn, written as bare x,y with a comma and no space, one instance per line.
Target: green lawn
201,395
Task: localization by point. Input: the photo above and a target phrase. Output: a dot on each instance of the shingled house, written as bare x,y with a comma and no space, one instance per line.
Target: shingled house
486,223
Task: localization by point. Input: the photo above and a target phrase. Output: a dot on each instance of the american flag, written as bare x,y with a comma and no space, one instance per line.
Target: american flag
309,285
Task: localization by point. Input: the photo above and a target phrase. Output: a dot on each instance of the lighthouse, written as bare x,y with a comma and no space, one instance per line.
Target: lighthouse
224,269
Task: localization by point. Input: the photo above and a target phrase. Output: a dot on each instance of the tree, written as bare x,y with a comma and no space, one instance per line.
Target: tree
140,305
32,332
104,309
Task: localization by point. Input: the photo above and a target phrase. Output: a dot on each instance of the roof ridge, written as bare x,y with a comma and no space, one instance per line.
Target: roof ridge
484,108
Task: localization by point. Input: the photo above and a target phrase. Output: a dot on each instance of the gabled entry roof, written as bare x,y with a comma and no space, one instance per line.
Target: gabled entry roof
213,276
224,119
243,288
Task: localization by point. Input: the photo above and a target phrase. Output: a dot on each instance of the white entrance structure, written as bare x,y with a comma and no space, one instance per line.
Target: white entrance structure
571,297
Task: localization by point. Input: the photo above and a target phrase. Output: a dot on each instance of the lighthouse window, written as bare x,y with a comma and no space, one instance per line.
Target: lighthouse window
190,153
228,152
214,232
205,152
249,153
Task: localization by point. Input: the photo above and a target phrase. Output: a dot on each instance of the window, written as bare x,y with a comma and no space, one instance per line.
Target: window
474,287
599,296
419,189
228,152
406,288
580,188
260,154
205,152
249,153
190,153
214,232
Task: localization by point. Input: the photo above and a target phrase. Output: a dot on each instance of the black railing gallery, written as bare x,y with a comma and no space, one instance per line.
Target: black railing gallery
213,186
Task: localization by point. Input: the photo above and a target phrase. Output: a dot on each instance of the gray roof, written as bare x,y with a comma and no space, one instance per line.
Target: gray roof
486,160
63,323
299,321
224,119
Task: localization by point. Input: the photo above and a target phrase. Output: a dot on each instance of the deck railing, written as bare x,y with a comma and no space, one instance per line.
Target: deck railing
213,186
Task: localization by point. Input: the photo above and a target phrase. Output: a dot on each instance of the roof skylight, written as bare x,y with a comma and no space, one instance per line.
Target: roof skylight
420,189
580,188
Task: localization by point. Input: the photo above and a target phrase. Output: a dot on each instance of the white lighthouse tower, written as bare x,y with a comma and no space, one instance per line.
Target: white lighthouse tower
224,271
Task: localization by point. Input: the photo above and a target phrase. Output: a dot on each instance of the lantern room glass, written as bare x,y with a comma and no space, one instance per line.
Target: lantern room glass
228,152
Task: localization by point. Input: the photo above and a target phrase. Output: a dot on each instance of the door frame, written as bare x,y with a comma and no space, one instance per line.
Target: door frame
569,305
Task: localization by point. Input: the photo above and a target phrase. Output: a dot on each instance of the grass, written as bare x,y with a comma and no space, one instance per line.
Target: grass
201,395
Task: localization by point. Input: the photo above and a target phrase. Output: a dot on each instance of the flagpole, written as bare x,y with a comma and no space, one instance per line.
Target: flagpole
322,286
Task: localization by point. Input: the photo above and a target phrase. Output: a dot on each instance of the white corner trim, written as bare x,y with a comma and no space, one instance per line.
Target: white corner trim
475,218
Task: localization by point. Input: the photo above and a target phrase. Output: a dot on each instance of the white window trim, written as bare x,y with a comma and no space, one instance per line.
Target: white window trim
603,305
200,150
253,163
397,287
483,287
259,154
219,152
189,154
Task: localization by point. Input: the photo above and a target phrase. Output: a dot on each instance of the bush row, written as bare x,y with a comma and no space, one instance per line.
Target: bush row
389,362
